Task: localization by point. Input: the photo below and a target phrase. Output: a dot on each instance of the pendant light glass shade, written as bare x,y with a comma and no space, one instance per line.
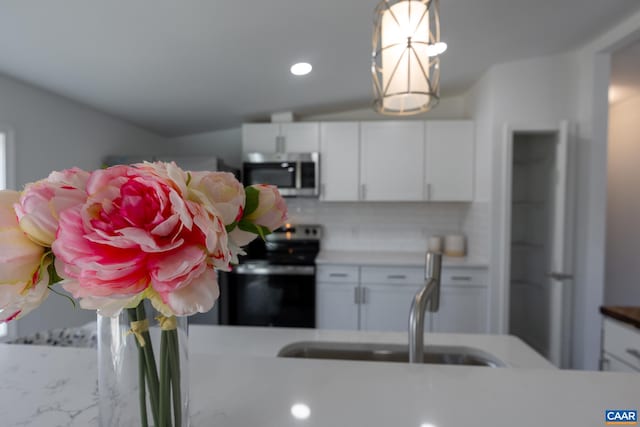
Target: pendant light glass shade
406,48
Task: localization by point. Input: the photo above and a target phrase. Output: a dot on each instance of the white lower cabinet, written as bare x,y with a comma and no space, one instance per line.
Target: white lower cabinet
379,299
620,347
336,307
462,309
386,307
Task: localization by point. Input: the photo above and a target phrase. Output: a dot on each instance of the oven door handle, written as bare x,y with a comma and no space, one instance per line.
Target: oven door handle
281,270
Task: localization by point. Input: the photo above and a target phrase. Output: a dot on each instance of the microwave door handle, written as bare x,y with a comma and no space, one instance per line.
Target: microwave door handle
298,175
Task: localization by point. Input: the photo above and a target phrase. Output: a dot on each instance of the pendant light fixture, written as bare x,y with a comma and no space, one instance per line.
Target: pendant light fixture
406,61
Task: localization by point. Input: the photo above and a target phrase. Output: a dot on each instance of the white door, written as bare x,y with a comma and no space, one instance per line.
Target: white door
392,161
260,137
561,274
337,306
449,160
537,246
300,137
339,161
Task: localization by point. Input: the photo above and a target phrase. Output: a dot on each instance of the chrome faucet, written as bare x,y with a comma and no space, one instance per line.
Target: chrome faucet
427,298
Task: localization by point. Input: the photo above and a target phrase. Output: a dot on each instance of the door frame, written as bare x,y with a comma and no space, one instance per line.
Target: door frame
504,224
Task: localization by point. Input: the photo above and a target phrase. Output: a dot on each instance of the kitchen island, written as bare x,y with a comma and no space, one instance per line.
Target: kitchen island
48,386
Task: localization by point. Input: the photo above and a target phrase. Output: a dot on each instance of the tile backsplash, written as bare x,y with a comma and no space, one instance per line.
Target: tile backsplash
369,226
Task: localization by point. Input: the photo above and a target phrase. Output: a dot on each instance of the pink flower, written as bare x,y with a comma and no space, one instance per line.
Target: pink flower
137,236
42,202
23,285
268,211
219,192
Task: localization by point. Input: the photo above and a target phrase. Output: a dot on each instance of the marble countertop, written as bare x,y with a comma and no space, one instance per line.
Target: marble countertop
50,386
396,259
627,314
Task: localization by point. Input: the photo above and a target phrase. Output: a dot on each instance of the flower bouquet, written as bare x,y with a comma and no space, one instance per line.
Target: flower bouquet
117,237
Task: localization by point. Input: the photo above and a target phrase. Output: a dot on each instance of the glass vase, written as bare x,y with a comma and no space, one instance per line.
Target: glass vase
143,370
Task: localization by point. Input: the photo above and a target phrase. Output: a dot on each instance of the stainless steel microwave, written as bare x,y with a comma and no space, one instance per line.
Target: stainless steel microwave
295,174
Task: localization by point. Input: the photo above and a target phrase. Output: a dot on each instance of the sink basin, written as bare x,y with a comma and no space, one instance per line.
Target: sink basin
444,355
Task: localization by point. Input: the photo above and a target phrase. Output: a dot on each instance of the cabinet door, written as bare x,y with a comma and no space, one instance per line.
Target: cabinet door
260,137
336,306
610,363
449,161
339,161
300,137
463,309
392,160
386,307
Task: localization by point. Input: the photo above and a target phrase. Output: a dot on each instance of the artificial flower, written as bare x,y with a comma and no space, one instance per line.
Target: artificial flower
23,272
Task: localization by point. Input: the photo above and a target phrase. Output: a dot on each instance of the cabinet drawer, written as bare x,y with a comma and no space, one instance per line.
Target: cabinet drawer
622,341
464,276
393,275
337,274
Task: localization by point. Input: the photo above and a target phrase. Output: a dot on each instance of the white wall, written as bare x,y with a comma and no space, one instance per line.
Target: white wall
623,204
226,144
452,107
50,133
593,61
527,94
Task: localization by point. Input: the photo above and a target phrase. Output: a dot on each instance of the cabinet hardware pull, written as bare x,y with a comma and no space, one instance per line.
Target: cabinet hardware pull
338,274
363,191
428,191
465,278
356,295
364,296
635,353
396,276
322,190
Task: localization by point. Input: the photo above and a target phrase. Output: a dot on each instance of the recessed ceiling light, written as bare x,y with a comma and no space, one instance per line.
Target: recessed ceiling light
301,69
300,411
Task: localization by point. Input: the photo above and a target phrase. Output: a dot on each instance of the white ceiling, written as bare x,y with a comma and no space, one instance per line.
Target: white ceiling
179,67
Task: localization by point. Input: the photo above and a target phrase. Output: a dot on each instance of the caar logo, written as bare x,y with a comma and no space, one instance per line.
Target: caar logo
621,417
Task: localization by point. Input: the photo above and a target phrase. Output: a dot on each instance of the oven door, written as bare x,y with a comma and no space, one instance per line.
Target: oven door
269,295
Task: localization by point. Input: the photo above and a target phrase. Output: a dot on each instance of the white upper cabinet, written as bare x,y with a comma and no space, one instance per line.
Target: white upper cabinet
392,161
339,156
449,161
281,137
260,137
300,137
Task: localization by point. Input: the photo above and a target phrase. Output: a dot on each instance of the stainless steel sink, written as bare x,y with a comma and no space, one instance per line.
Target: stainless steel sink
444,355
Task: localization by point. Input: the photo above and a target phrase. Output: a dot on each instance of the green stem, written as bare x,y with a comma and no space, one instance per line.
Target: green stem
165,408
143,396
133,317
151,371
175,377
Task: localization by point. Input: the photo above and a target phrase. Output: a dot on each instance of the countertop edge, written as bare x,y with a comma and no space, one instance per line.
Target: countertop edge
623,314
393,259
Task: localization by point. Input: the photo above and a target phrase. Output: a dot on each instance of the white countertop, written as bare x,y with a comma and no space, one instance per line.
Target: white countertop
266,342
397,259
51,386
